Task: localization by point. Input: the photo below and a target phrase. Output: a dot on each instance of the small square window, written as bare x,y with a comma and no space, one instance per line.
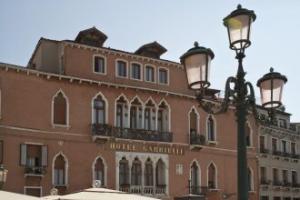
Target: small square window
179,169
163,76
121,68
99,64
136,71
149,74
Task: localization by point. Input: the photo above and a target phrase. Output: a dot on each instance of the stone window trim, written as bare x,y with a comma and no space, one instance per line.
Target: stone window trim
131,71
33,187
105,107
168,76
104,184
105,64
66,168
154,73
55,125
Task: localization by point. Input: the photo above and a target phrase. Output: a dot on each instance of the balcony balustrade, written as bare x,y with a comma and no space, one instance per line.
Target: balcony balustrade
105,130
196,140
35,170
145,190
198,190
277,183
264,150
263,181
277,153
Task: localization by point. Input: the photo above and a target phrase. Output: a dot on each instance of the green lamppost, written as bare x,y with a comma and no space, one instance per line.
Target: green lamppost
3,175
197,64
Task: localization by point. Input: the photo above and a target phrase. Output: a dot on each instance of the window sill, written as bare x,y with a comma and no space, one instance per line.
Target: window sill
250,147
211,142
122,77
61,126
214,189
99,73
135,79
252,192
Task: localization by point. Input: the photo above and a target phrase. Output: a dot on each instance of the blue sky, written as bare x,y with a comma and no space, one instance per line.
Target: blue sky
173,23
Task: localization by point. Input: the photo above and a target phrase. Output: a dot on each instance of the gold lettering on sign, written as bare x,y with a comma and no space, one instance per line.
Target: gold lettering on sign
149,148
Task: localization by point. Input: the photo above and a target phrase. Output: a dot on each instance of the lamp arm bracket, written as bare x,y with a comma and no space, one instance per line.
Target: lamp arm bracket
218,108
250,99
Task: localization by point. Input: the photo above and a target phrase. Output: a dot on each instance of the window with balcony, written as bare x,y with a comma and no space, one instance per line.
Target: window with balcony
99,64
212,176
160,171
124,174
149,74
99,110
34,158
99,171
122,69
163,117
136,173
276,181
122,113
195,181
136,71
293,148
282,123
274,145
149,116
262,144
210,127
163,77
263,175
149,173
60,109
193,118
294,178
136,113
285,177
60,170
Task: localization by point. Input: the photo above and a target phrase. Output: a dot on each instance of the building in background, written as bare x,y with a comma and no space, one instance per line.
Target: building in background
279,158
81,113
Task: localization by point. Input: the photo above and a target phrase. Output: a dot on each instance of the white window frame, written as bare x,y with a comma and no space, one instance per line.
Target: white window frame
168,74
295,147
250,135
105,171
207,174
199,171
215,131
67,125
286,146
33,187
105,64
252,186
277,144
154,73
66,169
128,109
141,73
169,114
106,107
117,69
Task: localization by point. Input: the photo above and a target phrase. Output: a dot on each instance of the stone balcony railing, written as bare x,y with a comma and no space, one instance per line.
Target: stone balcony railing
105,130
197,139
198,190
34,170
145,190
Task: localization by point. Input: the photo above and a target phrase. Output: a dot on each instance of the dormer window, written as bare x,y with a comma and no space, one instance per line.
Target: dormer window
163,76
136,71
99,64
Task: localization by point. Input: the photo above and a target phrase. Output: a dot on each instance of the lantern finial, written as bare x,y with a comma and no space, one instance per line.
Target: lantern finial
196,44
239,6
271,69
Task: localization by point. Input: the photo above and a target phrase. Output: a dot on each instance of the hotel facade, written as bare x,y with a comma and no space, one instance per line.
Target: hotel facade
82,114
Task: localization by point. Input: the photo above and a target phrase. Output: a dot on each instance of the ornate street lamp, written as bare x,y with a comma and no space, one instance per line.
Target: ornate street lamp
3,175
197,65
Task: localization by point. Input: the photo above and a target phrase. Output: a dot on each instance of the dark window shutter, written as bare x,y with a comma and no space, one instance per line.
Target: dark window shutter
44,156
23,154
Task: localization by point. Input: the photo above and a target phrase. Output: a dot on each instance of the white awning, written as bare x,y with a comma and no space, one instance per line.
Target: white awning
15,196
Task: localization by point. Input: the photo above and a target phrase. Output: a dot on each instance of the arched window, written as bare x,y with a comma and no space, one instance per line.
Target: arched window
211,135
250,181
60,171
99,113
122,112
60,109
193,119
124,174
248,134
149,116
99,170
195,185
212,176
136,111
136,172
160,174
163,117
148,173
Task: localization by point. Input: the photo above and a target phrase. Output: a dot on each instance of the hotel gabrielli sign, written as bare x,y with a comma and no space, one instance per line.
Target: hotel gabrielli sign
148,148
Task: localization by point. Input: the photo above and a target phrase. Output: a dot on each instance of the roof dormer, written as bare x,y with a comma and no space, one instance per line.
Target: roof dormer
153,50
91,37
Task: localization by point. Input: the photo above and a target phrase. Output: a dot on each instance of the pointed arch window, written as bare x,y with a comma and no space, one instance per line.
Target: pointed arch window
163,118
212,176
136,172
60,171
195,185
99,170
99,113
248,134
136,112
193,122
250,181
60,109
160,174
149,116
211,132
148,173
124,173
122,113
